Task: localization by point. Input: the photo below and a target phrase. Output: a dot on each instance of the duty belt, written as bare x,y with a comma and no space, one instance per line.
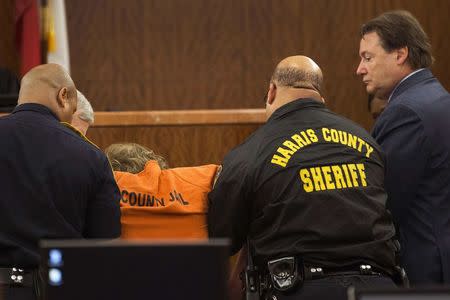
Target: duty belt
288,272
16,277
318,272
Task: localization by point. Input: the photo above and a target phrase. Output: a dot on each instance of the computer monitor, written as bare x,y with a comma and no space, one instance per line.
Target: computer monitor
93,269
428,293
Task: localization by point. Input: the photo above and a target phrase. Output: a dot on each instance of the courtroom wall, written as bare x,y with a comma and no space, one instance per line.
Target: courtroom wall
186,145
200,54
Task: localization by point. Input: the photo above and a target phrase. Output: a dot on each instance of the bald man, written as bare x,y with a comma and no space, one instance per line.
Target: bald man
54,184
306,191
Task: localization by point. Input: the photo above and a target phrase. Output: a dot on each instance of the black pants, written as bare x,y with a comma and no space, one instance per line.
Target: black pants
333,287
16,293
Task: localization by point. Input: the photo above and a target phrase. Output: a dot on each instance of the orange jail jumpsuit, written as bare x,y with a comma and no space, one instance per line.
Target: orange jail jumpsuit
169,203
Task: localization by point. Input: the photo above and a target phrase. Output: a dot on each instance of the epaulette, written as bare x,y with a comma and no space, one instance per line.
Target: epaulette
79,133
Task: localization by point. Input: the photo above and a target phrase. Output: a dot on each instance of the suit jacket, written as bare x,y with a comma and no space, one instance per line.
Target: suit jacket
414,132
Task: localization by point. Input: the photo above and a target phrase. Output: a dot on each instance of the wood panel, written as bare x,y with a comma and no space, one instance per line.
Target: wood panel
203,54
186,145
180,117
330,31
184,137
8,53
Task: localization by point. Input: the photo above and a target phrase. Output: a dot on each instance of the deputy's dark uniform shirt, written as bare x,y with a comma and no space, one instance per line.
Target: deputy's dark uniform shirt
307,183
53,185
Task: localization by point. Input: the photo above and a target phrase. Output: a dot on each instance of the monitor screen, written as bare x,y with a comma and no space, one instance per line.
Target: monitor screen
94,269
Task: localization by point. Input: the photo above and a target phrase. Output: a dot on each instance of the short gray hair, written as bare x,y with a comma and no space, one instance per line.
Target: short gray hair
84,108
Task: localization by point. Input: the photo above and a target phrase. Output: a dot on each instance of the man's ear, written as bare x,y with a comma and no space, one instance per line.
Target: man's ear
272,93
62,97
402,55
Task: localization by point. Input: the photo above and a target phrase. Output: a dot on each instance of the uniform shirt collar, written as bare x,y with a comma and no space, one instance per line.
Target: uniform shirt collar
401,81
35,107
297,104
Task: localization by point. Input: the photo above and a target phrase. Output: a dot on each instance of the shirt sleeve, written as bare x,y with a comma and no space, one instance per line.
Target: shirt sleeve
228,206
402,136
103,211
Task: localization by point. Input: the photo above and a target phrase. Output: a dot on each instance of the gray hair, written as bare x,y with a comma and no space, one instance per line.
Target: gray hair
84,108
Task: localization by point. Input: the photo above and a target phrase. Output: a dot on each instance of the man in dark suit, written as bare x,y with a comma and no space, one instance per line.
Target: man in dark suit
414,132
54,184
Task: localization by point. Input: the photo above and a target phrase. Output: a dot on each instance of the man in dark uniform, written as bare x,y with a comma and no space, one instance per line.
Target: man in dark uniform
306,189
54,184
414,132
